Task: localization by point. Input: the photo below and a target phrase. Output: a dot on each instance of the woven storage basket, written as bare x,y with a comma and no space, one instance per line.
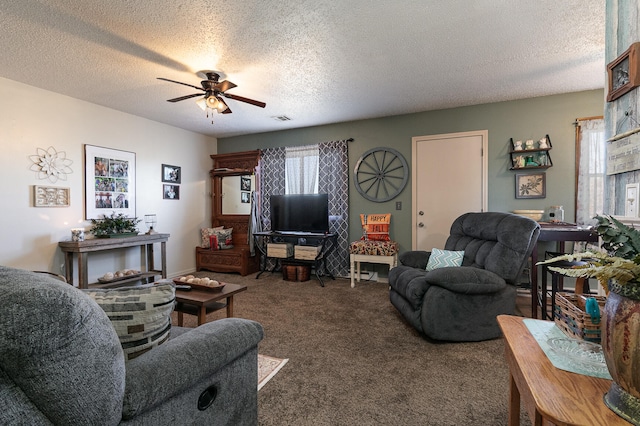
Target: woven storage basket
572,319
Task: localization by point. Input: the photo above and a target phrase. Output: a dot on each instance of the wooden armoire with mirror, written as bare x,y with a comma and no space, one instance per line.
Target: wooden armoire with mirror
232,181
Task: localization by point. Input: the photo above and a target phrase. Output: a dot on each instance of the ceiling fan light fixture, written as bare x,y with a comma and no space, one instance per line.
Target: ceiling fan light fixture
212,102
202,103
221,106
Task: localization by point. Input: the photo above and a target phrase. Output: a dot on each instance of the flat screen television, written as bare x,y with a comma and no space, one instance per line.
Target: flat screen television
300,213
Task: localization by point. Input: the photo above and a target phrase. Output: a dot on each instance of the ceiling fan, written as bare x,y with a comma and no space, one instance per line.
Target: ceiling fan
214,90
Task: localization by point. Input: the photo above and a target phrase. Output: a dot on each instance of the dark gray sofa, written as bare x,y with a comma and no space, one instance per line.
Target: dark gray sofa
461,303
61,363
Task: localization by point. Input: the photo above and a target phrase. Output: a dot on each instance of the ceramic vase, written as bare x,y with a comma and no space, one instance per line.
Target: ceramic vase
620,343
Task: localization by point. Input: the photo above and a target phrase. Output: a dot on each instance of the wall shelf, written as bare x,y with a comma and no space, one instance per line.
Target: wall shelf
533,158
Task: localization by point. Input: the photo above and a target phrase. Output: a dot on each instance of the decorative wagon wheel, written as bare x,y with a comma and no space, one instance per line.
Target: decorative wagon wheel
381,174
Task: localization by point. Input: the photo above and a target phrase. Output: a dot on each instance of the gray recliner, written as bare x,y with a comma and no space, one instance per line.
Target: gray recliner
461,303
61,363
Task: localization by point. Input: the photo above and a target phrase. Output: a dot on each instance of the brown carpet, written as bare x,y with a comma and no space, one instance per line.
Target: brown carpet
354,361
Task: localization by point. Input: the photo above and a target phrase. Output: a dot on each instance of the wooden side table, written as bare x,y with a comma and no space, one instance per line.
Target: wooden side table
550,395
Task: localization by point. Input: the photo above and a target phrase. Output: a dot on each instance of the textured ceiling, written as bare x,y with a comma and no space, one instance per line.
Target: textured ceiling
316,62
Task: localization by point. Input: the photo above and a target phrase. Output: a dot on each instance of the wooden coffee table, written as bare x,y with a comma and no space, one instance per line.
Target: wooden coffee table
202,302
550,395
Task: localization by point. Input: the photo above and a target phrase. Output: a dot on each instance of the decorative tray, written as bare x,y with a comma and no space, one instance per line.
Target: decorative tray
116,279
200,286
587,355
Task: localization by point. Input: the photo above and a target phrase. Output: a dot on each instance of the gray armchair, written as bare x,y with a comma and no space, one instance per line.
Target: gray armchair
461,303
61,363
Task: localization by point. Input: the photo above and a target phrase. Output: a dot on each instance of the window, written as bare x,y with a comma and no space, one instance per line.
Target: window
590,169
301,170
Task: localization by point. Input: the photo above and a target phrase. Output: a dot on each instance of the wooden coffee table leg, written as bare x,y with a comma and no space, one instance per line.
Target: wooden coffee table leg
514,402
202,315
180,318
230,306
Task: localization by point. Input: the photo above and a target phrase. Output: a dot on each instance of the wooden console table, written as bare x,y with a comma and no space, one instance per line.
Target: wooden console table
550,395
83,248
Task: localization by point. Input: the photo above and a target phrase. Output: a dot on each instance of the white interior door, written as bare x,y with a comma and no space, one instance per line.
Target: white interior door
449,178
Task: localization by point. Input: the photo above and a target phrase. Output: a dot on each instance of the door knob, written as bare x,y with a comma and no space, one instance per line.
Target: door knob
420,225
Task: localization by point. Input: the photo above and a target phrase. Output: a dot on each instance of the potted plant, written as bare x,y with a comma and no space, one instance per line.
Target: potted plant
116,225
617,269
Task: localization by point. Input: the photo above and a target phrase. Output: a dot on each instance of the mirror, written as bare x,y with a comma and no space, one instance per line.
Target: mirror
236,194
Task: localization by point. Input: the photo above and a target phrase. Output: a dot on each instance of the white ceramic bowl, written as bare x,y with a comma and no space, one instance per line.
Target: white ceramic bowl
531,214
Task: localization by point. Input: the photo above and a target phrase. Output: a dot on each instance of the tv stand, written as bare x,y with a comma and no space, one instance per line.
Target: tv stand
326,242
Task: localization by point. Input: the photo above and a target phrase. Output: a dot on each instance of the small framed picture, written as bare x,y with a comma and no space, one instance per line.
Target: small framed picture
245,183
531,185
171,192
244,197
171,174
623,74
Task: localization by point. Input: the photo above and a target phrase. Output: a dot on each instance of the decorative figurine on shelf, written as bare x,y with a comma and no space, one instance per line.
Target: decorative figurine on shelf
530,162
542,159
529,144
543,143
519,161
518,146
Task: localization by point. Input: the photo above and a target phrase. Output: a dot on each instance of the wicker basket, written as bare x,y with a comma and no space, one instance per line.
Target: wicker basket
571,318
296,272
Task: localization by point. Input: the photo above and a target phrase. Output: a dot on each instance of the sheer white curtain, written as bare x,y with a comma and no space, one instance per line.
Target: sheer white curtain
301,170
591,149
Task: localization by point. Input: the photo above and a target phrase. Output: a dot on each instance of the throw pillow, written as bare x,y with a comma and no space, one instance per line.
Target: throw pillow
443,258
225,238
375,227
141,315
206,233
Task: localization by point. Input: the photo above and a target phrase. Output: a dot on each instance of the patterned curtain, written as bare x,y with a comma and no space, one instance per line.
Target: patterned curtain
271,180
333,176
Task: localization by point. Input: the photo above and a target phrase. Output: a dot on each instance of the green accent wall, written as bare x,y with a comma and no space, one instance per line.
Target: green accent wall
522,119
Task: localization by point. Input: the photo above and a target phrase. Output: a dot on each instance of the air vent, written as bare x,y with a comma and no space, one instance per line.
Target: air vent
281,118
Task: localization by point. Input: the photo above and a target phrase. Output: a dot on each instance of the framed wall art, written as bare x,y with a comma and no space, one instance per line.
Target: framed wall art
110,182
51,196
171,174
245,183
171,192
623,74
531,185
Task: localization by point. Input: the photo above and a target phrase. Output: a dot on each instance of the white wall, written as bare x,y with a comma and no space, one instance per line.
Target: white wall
32,118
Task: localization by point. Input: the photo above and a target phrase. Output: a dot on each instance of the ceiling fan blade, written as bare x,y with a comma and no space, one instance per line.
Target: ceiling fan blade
243,99
178,82
223,86
182,98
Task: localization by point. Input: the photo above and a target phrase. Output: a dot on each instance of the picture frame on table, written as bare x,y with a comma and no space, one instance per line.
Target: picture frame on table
531,185
171,174
171,192
110,182
623,74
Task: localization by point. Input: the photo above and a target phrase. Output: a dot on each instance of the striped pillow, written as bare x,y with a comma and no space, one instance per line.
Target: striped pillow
141,315
444,258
